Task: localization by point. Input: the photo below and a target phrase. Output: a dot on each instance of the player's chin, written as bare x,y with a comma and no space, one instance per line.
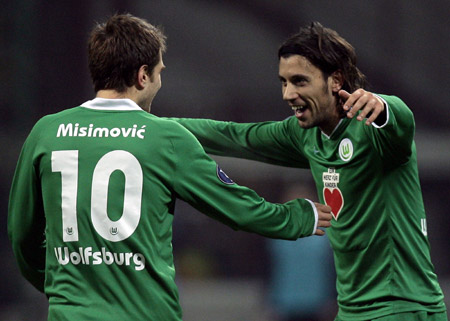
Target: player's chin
305,124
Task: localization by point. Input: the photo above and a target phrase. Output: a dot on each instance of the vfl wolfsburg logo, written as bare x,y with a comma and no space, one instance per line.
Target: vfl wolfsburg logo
346,149
114,230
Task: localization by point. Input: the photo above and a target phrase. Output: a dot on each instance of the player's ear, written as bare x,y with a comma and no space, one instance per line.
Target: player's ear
143,77
337,81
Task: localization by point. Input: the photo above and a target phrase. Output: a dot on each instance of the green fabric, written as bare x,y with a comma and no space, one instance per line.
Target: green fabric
411,316
91,210
369,176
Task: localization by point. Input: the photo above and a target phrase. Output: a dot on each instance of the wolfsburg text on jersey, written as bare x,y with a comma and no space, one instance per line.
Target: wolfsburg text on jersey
76,130
87,257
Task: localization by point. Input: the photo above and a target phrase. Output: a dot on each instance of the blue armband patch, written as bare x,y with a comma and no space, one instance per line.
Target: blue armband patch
223,177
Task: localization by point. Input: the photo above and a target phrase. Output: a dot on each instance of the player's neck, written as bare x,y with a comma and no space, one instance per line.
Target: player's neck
113,94
332,120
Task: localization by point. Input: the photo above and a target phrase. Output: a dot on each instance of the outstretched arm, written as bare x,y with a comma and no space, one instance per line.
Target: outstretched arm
201,183
274,142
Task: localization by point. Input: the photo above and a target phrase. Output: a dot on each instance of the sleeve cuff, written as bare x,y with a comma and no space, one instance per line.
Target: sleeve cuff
316,216
387,113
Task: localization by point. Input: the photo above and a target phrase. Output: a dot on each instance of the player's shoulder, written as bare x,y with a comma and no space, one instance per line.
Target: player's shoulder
292,127
165,121
44,122
170,126
291,122
178,135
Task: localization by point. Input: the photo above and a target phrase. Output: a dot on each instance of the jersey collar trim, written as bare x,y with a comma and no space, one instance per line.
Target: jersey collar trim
111,104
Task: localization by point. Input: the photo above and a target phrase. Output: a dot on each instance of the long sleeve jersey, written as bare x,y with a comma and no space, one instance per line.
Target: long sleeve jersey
368,175
92,204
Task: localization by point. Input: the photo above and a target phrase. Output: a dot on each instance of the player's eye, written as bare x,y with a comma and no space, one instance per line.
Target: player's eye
299,81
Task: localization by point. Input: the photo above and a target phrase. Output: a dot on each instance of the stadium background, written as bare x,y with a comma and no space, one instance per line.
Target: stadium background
222,64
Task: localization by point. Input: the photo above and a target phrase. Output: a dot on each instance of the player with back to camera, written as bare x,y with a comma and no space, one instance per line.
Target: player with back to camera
360,149
92,199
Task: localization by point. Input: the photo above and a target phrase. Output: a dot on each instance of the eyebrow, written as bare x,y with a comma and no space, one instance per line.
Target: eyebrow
295,77
300,77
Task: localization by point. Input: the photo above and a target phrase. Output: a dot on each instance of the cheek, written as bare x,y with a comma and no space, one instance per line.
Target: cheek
283,91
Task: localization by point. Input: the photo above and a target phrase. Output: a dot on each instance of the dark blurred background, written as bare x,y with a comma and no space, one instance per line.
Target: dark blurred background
222,64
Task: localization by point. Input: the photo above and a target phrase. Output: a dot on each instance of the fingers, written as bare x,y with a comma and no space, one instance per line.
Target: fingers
377,108
366,102
324,213
351,100
344,94
322,207
370,107
319,232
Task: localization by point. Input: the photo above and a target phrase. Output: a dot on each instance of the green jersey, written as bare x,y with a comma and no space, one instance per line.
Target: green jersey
91,210
368,175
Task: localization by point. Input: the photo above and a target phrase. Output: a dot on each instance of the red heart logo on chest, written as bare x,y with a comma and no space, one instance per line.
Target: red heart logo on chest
333,198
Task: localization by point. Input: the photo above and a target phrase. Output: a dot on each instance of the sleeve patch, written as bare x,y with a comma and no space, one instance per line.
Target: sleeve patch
223,177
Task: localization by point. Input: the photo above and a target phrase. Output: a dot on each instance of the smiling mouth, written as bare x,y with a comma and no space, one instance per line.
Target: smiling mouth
299,110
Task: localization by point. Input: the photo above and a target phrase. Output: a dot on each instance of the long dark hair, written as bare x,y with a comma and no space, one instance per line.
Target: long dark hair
326,50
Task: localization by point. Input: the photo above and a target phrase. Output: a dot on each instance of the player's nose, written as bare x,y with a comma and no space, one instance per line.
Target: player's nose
289,92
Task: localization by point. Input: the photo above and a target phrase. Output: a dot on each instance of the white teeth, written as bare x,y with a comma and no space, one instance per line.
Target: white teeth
299,108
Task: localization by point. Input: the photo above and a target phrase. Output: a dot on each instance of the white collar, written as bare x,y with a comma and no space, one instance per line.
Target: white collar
111,104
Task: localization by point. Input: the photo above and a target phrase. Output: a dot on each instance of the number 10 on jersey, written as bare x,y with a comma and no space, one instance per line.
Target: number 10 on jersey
66,162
